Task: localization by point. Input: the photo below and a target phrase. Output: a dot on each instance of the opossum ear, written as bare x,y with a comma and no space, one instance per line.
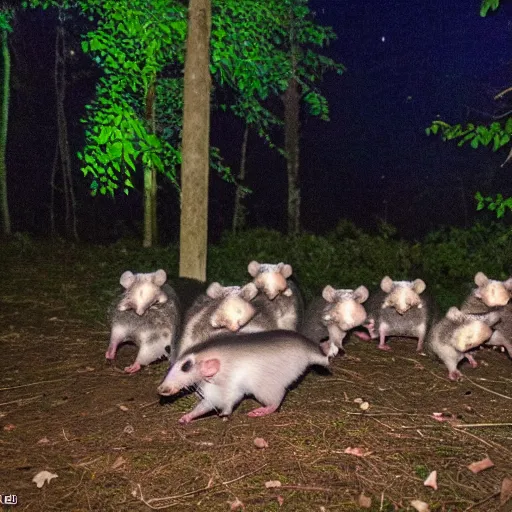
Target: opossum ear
159,277
508,284
209,367
254,268
286,270
481,279
454,314
361,294
386,285
127,279
162,297
419,286
329,293
215,291
325,347
249,291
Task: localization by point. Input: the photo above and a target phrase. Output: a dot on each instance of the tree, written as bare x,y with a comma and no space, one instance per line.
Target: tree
196,137
5,28
496,135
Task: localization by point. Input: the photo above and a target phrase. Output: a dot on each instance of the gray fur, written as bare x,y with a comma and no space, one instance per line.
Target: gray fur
153,332
247,364
456,334
384,320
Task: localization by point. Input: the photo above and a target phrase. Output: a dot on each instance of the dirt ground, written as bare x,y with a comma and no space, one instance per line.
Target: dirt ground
115,446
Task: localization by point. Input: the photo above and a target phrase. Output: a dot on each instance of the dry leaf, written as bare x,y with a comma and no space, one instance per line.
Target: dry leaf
431,480
43,440
363,501
9,427
236,505
358,400
119,462
123,408
364,406
506,490
420,506
476,467
358,452
272,483
259,442
42,477
280,500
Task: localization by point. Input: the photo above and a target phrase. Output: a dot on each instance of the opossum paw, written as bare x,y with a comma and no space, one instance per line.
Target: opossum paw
363,335
185,419
135,367
384,347
472,361
262,411
110,353
455,375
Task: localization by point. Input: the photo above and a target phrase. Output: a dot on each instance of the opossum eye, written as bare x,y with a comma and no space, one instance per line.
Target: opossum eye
185,367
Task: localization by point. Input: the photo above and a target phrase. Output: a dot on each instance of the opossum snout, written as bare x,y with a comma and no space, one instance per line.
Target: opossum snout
167,390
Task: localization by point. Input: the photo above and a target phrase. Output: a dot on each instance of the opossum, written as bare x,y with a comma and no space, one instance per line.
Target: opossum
452,337
148,314
219,310
492,295
227,368
275,286
400,308
334,314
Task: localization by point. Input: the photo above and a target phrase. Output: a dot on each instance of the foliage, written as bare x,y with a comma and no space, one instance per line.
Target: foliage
495,136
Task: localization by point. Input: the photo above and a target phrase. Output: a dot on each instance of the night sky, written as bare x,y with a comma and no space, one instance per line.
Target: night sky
407,63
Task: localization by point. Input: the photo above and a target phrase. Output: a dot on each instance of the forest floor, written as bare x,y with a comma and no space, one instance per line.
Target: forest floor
115,446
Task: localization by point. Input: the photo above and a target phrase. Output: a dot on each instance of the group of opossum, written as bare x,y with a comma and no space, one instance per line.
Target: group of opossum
257,340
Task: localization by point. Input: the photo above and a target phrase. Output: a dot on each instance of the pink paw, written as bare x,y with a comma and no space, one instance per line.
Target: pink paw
111,353
262,411
455,375
363,335
384,347
185,419
135,367
472,361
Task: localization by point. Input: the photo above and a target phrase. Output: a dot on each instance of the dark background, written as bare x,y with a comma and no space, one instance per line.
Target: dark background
408,63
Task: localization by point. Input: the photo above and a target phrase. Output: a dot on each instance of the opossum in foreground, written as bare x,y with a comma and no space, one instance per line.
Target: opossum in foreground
492,295
227,368
278,293
334,314
400,308
148,315
452,337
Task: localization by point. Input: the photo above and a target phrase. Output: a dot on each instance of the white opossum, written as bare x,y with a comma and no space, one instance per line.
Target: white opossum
226,368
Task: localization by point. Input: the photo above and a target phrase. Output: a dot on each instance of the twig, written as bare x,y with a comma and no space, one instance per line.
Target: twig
167,499
476,425
499,95
304,488
21,400
483,501
478,438
31,384
488,390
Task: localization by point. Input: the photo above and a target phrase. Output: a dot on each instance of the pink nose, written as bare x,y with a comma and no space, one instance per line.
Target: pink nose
167,390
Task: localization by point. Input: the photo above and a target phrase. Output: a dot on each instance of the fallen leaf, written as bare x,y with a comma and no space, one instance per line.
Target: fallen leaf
9,427
363,501
476,467
364,406
280,500
358,452
259,442
86,369
431,480
43,440
420,506
42,477
506,490
358,400
236,505
123,408
272,483
120,461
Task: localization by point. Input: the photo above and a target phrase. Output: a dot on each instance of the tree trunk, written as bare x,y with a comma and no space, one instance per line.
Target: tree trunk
4,205
195,145
62,126
239,210
150,176
291,146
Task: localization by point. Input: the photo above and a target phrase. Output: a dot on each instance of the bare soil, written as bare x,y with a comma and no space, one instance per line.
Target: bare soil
116,446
